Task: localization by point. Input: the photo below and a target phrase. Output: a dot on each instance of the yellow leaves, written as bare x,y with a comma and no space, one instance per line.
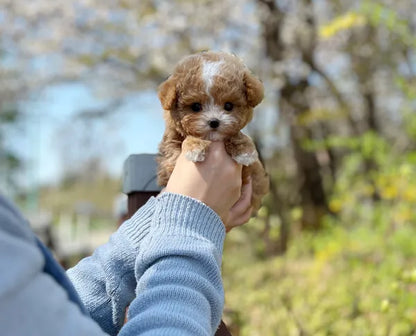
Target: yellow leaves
409,276
335,205
385,305
342,202
405,170
395,287
317,115
331,250
346,280
398,184
296,214
324,256
340,23
374,14
398,188
389,192
409,195
263,212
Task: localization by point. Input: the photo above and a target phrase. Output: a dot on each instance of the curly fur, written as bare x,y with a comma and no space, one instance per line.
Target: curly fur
211,79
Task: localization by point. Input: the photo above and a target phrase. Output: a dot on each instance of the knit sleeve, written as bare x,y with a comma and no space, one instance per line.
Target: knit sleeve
105,281
178,271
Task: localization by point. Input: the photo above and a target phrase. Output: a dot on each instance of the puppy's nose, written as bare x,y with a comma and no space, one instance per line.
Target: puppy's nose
214,123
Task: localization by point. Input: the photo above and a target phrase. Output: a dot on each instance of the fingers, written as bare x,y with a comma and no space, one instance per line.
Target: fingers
216,181
245,198
241,211
242,219
218,158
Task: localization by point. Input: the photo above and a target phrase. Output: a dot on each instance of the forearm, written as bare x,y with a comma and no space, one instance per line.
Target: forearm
179,245
32,301
105,281
179,286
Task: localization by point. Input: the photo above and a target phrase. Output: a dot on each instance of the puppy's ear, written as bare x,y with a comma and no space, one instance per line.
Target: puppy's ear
254,89
167,93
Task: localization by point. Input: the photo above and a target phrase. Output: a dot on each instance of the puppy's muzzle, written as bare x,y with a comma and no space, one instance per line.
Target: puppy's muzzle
214,123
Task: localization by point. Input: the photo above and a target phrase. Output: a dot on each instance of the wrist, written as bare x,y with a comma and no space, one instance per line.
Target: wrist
177,214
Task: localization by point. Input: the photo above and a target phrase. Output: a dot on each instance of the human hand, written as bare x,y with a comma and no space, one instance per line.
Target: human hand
216,181
241,211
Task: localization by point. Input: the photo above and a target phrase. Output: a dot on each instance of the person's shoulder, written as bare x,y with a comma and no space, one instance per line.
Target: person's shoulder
12,222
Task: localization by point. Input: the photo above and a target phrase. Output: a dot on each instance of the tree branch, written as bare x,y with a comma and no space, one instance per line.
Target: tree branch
337,95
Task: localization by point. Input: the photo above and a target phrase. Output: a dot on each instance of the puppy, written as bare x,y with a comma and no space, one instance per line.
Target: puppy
210,97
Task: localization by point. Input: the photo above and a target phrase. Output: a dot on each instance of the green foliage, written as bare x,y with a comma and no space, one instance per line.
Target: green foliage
375,14
355,277
358,281
407,86
379,14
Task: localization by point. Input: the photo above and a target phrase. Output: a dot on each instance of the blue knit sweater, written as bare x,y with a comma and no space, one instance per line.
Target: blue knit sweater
164,262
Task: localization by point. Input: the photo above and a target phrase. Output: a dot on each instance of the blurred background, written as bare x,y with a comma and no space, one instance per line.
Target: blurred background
332,251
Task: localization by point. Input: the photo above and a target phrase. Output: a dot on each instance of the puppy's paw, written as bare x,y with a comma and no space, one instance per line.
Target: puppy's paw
246,159
195,155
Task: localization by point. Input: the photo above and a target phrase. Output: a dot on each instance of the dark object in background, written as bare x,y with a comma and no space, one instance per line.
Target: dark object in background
139,184
139,180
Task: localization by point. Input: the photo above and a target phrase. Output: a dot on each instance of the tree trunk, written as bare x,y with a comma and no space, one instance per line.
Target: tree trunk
284,230
293,103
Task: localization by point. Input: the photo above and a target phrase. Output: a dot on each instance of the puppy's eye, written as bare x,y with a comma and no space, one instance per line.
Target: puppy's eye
196,107
228,106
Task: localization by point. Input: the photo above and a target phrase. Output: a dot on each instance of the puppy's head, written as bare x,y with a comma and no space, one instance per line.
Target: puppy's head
210,96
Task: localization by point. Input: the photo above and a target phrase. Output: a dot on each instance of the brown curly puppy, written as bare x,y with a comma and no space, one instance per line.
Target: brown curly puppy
210,97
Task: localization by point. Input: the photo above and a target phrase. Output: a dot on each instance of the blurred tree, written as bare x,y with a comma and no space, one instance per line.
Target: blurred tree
293,100
341,90
334,70
85,145
10,162
10,115
127,44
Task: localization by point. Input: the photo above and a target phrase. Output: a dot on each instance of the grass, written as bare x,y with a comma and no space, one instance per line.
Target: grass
360,281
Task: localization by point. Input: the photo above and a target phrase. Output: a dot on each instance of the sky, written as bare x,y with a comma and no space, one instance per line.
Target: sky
136,127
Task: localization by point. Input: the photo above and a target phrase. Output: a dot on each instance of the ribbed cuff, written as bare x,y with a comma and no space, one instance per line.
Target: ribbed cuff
138,226
185,216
